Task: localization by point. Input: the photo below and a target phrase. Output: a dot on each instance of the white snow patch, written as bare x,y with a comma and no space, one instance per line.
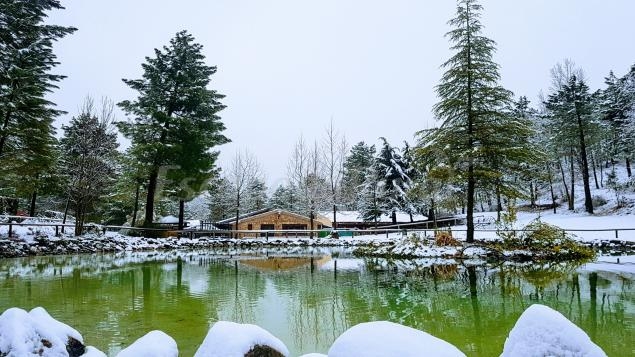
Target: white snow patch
542,331
383,338
22,333
169,219
314,355
230,339
153,344
93,352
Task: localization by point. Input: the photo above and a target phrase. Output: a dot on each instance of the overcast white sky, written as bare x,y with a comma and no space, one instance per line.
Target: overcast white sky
288,66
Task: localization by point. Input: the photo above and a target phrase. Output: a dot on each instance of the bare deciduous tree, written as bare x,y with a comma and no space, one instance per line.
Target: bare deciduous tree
334,150
244,170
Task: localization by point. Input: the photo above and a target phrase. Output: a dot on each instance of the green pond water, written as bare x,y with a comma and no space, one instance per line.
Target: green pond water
307,298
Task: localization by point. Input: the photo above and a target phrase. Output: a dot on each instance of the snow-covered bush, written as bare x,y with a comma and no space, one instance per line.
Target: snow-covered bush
383,338
542,331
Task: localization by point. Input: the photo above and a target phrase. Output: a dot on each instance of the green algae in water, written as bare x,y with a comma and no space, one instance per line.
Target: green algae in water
307,303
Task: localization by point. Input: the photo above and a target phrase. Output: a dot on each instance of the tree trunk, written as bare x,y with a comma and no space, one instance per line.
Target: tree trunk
152,188
532,195
136,205
181,214
588,200
595,175
68,199
564,181
237,214
628,167
334,216
32,205
553,196
393,216
601,175
432,213
572,172
499,205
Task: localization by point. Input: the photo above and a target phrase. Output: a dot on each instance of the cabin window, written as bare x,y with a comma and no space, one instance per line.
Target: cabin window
250,226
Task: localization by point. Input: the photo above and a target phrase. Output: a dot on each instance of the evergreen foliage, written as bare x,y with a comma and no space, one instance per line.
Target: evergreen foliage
478,137
89,153
175,121
359,159
570,111
27,142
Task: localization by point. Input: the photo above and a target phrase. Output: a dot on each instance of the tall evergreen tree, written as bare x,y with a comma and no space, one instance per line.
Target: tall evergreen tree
394,180
27,142
360,158
570,109
175,115
471,107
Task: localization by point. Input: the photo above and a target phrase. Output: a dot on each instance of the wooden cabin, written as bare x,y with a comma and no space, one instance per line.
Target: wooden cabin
273,219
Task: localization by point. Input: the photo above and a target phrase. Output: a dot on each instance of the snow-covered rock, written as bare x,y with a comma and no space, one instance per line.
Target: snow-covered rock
388,339
542,331
36,333
229,339
153,344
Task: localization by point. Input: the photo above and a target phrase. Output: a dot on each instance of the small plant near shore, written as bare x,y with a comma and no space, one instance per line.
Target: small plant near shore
506,226
550,242
444,239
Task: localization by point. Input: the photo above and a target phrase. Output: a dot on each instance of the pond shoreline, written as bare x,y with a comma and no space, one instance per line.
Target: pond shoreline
394,247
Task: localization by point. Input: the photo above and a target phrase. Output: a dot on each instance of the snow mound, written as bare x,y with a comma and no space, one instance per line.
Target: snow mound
36,333
388,339
229,339
169,219
153,344
542,331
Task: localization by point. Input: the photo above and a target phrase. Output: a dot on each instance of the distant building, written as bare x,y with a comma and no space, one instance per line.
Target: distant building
273,219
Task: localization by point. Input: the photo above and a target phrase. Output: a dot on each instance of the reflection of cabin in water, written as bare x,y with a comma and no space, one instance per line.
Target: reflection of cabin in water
273,219
285,263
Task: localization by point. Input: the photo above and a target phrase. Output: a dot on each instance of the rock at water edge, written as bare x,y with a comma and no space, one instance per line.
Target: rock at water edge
542,331
383,338
229,339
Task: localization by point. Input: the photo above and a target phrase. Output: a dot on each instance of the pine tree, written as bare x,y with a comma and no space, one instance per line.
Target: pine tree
570,110
370,194
284,198
89,152
256,196
175,120
27,142
616,104
472,107
360,158
221,200
394,180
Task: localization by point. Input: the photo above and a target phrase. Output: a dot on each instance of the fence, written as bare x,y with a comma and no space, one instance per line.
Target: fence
401,230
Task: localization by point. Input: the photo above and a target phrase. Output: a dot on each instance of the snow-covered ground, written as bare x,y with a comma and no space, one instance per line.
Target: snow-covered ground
585,227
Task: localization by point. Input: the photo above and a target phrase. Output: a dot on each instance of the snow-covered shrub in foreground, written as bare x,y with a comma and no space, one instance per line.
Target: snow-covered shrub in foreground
153,344
542,331
383,339
229,339
36,333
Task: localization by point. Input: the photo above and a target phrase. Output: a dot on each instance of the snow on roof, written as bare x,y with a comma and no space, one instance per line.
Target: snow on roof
355,216
542,331
230,339
384,338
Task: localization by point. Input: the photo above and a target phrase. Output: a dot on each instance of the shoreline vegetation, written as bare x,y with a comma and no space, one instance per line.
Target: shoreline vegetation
540,242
